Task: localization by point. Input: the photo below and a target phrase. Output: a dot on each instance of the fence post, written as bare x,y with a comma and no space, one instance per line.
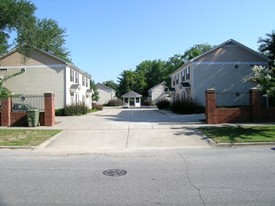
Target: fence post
6,112
49,116
210,106
255,104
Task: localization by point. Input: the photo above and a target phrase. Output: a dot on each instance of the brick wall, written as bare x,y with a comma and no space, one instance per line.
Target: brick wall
252,113
9,118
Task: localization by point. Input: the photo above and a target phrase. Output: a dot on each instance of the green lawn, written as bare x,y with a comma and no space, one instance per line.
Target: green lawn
231,134
22,137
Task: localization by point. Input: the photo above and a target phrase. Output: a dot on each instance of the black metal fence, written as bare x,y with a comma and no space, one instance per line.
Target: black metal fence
36,101
227,99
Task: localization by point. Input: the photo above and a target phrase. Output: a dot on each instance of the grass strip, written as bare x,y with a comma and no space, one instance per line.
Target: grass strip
25,137
239,134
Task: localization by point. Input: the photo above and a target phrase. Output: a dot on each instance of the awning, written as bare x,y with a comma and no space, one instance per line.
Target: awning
74,88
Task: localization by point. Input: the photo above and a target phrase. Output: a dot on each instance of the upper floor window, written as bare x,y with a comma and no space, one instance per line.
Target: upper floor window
87,82
71,75
76,77
188,73
183,75
177,78
83,80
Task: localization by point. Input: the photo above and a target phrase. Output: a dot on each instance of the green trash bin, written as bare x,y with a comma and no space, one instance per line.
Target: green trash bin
33,117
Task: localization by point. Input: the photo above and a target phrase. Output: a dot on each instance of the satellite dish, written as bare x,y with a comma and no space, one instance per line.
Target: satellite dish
23,70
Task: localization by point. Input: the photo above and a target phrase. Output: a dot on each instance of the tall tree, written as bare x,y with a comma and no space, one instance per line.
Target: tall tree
48,36
267,45
126,82
196,50
17,16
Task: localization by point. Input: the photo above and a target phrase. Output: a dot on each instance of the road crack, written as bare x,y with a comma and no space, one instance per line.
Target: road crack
190,181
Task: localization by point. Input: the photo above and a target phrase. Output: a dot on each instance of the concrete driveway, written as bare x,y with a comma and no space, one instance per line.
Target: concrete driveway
115,130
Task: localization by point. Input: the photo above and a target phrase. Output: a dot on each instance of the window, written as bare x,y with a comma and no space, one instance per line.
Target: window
188,73
83,80
71,75
183,75
177,78
137,100
76,77
87,84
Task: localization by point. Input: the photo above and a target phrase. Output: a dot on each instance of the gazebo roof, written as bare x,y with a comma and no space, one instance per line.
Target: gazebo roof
131,94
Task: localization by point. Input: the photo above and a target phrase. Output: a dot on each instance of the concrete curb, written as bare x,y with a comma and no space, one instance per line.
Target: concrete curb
18,147
215,144
42,145
49,141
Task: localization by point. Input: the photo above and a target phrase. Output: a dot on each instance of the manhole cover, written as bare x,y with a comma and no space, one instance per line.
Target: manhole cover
115,172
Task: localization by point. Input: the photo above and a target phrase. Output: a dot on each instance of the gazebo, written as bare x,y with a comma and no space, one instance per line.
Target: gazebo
131,99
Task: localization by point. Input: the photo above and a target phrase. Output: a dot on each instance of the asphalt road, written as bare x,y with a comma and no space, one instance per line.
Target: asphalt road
207,176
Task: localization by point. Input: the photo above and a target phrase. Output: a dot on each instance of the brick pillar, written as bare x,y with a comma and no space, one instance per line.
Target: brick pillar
255,104
210,106
49,117
6,112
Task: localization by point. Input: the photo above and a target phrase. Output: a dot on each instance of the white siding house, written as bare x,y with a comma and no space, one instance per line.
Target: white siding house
46,73
226,68
105,94
158,92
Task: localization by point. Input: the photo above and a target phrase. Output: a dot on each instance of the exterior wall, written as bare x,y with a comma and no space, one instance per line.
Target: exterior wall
158,93
37,80
224,77
43,74
36,58
229,53
105,96
79,96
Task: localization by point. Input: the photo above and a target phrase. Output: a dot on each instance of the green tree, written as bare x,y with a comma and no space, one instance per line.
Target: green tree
95,95
16,16
111,84
48,36
126,82
196,50
267,45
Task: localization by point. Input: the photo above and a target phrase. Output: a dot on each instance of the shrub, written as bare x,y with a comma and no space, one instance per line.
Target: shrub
114,102
163,104
147,102
186,106
59,112
76,109
97,107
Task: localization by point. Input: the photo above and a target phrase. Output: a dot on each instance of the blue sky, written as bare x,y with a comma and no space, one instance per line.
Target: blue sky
106,37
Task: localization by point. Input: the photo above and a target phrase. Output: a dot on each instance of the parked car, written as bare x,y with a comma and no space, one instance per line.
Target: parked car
21,107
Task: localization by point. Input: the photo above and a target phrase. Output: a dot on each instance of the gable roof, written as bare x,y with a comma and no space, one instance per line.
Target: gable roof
162,83
48,54
104,87
131,94
230,41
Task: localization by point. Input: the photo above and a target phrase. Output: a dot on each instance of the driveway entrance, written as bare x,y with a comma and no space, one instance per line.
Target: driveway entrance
127,129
